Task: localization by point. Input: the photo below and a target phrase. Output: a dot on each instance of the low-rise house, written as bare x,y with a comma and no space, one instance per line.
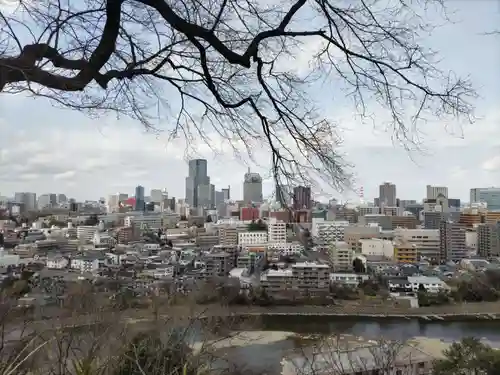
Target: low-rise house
85,263
350,279
431,284
57,262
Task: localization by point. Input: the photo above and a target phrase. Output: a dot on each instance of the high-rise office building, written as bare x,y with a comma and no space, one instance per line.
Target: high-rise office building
28,200
156,195
434,191
47,200
206,196
490,196
197,176
283,194
140,203
302,198
252,187
387,195
227,193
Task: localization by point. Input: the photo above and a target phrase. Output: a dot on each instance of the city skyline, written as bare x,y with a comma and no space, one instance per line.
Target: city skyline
71,152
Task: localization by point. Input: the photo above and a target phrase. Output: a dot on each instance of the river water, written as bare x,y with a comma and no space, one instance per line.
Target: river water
265,358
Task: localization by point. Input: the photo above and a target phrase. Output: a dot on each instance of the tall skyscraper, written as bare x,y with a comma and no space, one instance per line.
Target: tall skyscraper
47,200
434,191
252,187
302,198
283,194
387,195
27,199
140,203
227,193
197,176
206,196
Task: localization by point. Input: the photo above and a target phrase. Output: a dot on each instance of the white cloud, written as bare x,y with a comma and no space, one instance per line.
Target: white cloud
492,165
65,175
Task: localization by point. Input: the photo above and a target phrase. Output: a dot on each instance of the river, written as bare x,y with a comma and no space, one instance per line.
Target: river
265,357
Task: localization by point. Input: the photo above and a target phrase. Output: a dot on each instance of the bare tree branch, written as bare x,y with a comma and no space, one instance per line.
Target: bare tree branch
225,68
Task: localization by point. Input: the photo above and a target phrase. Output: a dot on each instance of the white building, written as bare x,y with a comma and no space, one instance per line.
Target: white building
86,232
286,249
276,231
341,256
252,238
377,246
430,283
326,232
351,279
57,262
85,264
7,259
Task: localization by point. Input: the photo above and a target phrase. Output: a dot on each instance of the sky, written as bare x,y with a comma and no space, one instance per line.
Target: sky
44,149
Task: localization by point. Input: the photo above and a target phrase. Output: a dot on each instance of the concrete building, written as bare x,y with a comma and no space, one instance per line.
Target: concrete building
114,201
276,231
377,247
379,220
489,196
488,240
252,187
452,241
206,196
47,201
252,238
305,278
219,264
368,210
426,241
405,252
302,198
325,232
27,199
354,233
387,195
197,176
341,257
434,191
86,233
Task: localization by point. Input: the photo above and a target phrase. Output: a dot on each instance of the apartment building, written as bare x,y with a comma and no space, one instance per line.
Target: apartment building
408,222
341,256
228,235
276,231
85,233
405,252
206,241
426,241
219,264
368,210
488,240
452,241
305,278
325,231
252,238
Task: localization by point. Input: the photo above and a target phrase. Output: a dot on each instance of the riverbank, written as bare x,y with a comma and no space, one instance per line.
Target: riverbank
479,311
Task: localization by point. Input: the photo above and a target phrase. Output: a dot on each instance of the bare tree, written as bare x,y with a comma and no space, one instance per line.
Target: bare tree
231,69
347,355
